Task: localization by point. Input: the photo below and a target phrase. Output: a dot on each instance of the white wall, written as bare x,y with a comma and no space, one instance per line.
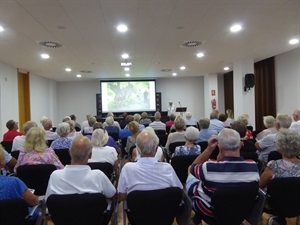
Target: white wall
43,98
77,98
8,96
287,79
189,91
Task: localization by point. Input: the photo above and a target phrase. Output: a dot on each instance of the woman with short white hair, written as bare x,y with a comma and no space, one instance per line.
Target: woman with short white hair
269,123
63,142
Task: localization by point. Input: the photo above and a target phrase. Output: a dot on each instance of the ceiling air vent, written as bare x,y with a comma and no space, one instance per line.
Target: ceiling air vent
86,71
191,44
166,70
50,44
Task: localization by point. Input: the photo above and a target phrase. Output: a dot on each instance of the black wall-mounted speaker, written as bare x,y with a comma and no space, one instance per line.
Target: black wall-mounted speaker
249,81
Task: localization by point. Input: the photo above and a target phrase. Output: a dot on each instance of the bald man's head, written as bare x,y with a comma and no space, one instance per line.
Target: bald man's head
80,150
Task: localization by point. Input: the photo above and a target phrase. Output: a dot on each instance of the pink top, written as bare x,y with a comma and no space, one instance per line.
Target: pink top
47,156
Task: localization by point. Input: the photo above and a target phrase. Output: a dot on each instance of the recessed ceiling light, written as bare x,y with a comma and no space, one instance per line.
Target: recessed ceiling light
182,67
1,29
200,54
68,69
127,75
45,56
235,28
78,75
226,68
125,56
126,68
294,41
174,74
122,28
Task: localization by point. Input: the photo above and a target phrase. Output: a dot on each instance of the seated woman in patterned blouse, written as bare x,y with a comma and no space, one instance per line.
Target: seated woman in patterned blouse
36,151
288,144
189,148
63,142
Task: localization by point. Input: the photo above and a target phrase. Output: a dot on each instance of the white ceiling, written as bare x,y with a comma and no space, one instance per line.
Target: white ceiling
157,28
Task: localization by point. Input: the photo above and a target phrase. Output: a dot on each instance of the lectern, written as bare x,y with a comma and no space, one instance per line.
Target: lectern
181,110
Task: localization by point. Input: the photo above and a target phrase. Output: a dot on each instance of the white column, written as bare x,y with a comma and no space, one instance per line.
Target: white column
244,101
210,92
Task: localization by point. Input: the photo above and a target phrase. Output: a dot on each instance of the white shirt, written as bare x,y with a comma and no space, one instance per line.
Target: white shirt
79,179
171,109
51,135
158,154
104,154
147,174
18,143
267,145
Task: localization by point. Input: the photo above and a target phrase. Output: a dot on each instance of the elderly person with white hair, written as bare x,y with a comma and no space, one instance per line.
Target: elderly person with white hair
189,120
205,132
157,124
101,152
111,121
110,126
73,133
269,123
147,173
189,148
63,142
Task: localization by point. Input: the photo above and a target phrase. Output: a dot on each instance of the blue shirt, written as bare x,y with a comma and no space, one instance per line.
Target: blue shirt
124,133
61,143
11,187
205,134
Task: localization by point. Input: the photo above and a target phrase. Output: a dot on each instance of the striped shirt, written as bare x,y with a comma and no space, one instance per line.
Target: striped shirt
158,125
229,172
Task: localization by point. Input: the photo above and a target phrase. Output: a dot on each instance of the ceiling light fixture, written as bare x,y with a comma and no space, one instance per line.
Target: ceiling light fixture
125,56
126,68
78,75
174,74
127,75
1,29
182,67
200,54
226,68
68,69
45,56
122,28
235,28
294,41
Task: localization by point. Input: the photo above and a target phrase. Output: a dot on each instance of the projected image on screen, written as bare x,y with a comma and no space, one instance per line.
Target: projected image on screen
128,96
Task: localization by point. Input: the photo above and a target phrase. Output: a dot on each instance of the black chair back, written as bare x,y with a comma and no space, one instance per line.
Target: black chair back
114,135
283,196
13,211
203,145
274,155
181,164
157,207
105,167
173,145
49,142
63,155
231,205
36,176
162,139
7,145
77,209
15,154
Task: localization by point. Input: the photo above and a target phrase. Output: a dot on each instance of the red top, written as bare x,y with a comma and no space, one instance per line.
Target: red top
11,134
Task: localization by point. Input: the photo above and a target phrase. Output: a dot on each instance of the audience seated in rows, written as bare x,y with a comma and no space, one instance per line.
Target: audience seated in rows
110,121
101,152
205,132
12,132
248,146
189,120
124,133
144,119
288,144
269,123
36,151
267,143
178,135
137,117
207,176
157,124
63,142
19,141
78,177
215,123
147,173
47,125
189,148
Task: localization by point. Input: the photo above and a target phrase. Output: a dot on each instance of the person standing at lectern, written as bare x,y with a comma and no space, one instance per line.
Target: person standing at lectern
171,108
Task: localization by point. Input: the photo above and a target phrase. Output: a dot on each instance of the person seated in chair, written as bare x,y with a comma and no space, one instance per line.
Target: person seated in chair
205,132
157,124
147,173
63,142
248,145
79,177
125,133
189,148
144,119
205,176
18,141
178,135
12,132
110,126
269,123
47,125
189,120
